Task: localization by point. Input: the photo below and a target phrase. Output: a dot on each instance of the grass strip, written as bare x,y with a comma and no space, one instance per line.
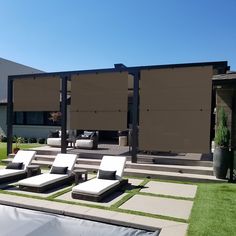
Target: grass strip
166,196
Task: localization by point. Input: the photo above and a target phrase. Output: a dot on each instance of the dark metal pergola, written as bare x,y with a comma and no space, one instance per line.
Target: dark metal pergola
65,76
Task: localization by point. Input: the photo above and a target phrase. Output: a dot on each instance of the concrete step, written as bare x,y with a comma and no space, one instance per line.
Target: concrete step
189,159
156,167
165,175
201,170
159,174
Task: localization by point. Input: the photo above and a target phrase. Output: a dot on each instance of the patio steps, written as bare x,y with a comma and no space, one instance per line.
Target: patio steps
45,160
153,170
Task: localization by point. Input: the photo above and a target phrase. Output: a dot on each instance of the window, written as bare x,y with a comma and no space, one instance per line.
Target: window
34,118
19,118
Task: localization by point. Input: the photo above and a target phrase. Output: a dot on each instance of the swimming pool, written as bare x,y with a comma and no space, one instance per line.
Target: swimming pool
21,222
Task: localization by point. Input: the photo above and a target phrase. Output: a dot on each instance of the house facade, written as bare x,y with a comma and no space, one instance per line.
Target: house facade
26,124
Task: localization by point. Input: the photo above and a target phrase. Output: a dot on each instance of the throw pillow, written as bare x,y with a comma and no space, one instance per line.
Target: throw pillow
59,170
107,174
15,165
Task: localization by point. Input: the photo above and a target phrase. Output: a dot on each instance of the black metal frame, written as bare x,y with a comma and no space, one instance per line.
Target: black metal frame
135,71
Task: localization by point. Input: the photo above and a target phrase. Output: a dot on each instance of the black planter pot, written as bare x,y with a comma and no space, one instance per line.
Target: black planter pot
221,159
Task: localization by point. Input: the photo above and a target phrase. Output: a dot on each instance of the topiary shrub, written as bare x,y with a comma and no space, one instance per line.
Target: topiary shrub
222,136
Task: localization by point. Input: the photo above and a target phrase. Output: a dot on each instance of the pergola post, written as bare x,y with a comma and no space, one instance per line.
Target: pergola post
63,113
9,116
134,151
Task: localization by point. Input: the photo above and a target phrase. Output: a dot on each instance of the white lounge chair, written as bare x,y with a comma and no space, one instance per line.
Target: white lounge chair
60,173
17,169
109,179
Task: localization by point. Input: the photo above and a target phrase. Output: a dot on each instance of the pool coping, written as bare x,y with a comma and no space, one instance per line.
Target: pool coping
166,227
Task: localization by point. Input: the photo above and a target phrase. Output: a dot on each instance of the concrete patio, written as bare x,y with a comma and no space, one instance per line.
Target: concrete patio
141,206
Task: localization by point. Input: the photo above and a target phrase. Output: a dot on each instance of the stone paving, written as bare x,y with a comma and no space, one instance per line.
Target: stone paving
159,206
170,189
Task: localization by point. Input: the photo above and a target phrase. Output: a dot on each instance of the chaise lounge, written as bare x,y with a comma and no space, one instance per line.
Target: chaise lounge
108,180
60,173
17,169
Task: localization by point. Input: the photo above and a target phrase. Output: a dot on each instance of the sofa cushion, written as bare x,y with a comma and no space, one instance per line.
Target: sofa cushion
56,142
113,163
42,180
106,174
84,143
15,165
10,172
95,186
59,170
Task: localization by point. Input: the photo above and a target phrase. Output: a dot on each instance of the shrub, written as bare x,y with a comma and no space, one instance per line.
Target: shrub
41,140
222,136
32,140
4,139
26,140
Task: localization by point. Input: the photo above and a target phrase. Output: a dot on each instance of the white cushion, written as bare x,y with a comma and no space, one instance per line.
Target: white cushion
24,156
56,142
112,163
84,143
9,172
63,160
95,186
41,180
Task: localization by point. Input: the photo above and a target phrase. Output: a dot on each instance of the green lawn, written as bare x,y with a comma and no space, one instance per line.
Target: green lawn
3,148
214,211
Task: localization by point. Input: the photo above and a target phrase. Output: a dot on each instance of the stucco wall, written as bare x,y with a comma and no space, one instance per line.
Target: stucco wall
33,131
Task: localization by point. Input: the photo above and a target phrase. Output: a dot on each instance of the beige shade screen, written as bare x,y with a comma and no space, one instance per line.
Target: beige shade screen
175,109
99,101
36,94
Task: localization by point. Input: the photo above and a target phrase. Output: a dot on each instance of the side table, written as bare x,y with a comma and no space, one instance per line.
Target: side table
33,170
78,175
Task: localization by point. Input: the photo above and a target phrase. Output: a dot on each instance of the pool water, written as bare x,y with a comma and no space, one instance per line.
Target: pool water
21,222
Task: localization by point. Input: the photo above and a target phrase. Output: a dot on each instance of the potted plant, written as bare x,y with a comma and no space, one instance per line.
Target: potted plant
221,156
18,141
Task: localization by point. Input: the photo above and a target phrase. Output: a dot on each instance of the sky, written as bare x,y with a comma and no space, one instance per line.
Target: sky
62,35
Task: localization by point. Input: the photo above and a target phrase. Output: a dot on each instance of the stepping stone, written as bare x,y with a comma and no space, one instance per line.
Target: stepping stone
171,189
159,206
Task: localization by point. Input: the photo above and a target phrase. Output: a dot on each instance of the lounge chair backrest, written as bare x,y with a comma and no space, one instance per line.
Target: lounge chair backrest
24,156
63,160
114,163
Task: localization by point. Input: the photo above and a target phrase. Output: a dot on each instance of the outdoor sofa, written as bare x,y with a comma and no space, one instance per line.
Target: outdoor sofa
108,180
17,169
87,140
60,173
